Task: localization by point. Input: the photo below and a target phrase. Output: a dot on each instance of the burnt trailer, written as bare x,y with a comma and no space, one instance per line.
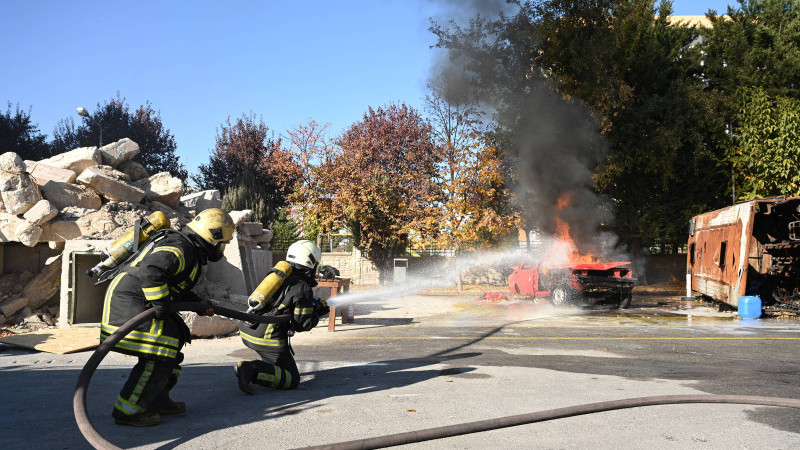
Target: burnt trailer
751,248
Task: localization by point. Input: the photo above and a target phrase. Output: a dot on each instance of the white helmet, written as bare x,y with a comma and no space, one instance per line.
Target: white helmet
304,253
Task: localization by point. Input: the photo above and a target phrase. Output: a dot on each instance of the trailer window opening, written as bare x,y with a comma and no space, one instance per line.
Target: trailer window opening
691,254
723,248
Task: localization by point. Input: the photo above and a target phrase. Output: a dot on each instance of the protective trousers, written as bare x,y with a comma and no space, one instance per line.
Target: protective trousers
277,369
148,385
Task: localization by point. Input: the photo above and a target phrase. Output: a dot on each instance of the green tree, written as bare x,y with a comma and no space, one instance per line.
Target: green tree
285,231
248,194
767,144
752,57
755,45
157,145
21,136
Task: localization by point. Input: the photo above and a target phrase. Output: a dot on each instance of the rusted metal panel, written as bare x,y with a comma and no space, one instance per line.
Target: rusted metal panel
749,248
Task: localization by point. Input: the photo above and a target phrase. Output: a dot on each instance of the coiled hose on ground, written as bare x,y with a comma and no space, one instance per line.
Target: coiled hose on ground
79,398
98,442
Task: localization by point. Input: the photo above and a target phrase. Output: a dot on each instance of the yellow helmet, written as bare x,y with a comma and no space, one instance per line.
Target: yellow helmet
213,225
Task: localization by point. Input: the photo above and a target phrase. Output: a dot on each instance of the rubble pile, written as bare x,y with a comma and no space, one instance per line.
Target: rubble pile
27,299
88,193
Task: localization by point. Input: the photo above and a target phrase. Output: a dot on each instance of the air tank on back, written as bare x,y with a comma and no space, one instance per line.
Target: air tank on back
122,247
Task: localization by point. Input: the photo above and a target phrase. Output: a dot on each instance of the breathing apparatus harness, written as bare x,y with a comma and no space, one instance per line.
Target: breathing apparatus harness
155,238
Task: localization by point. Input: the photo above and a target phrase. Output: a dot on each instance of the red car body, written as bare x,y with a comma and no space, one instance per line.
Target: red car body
566,284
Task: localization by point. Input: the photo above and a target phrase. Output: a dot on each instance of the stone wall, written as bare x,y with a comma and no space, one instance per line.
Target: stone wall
353,265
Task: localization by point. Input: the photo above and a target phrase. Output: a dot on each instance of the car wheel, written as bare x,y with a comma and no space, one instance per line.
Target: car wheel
624,300
559,296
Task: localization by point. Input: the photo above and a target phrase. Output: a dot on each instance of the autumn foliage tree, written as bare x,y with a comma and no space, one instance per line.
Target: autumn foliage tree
313,194
383,180
249,165
474,210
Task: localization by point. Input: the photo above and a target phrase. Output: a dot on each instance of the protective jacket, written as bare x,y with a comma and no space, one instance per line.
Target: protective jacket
163,271
294,297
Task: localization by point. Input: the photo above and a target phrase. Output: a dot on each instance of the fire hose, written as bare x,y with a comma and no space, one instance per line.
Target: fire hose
98,442
79,398
542,416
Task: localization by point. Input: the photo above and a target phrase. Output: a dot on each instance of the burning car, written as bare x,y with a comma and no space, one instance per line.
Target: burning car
608,282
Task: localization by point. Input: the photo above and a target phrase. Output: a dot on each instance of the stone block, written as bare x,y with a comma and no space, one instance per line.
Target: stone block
16,188
41,212
214,326
109,187
11,306
158,206
239,217
265,237
228,271
63,195
8,225
162,187
118,152
42,173
76,160
202,200
96,224
251,228
28,233
134,170
112,173
44,285
61,231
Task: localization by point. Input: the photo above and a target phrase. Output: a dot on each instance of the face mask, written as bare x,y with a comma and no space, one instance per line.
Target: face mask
216,252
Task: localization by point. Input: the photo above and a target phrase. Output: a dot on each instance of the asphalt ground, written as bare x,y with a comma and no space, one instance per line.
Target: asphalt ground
421,361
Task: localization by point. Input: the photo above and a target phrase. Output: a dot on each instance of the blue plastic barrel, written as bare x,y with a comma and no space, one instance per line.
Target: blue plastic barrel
749,307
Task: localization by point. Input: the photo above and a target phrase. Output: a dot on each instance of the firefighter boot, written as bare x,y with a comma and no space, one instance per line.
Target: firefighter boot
165,405
245,374
143,419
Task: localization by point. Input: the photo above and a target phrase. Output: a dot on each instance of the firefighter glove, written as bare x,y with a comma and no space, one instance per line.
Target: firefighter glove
207,308
321,307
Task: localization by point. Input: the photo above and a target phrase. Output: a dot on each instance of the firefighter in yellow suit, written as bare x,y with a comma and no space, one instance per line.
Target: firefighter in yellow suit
164,270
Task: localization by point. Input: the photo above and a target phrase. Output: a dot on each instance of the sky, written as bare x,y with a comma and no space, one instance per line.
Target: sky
200,62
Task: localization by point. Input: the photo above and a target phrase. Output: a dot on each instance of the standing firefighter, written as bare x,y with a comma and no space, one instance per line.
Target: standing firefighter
277,368
163,271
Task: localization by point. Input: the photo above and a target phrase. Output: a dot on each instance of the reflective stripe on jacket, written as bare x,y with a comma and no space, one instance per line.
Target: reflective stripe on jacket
294,297
165,270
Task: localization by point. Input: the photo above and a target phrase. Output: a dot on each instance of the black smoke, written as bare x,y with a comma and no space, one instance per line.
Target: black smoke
553,141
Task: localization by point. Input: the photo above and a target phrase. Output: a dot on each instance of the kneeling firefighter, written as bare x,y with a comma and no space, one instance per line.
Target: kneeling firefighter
164,270
277,368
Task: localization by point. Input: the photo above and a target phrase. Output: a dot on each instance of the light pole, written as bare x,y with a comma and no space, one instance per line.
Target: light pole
83,112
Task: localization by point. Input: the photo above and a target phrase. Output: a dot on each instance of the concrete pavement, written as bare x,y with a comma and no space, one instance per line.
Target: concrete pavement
422,361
